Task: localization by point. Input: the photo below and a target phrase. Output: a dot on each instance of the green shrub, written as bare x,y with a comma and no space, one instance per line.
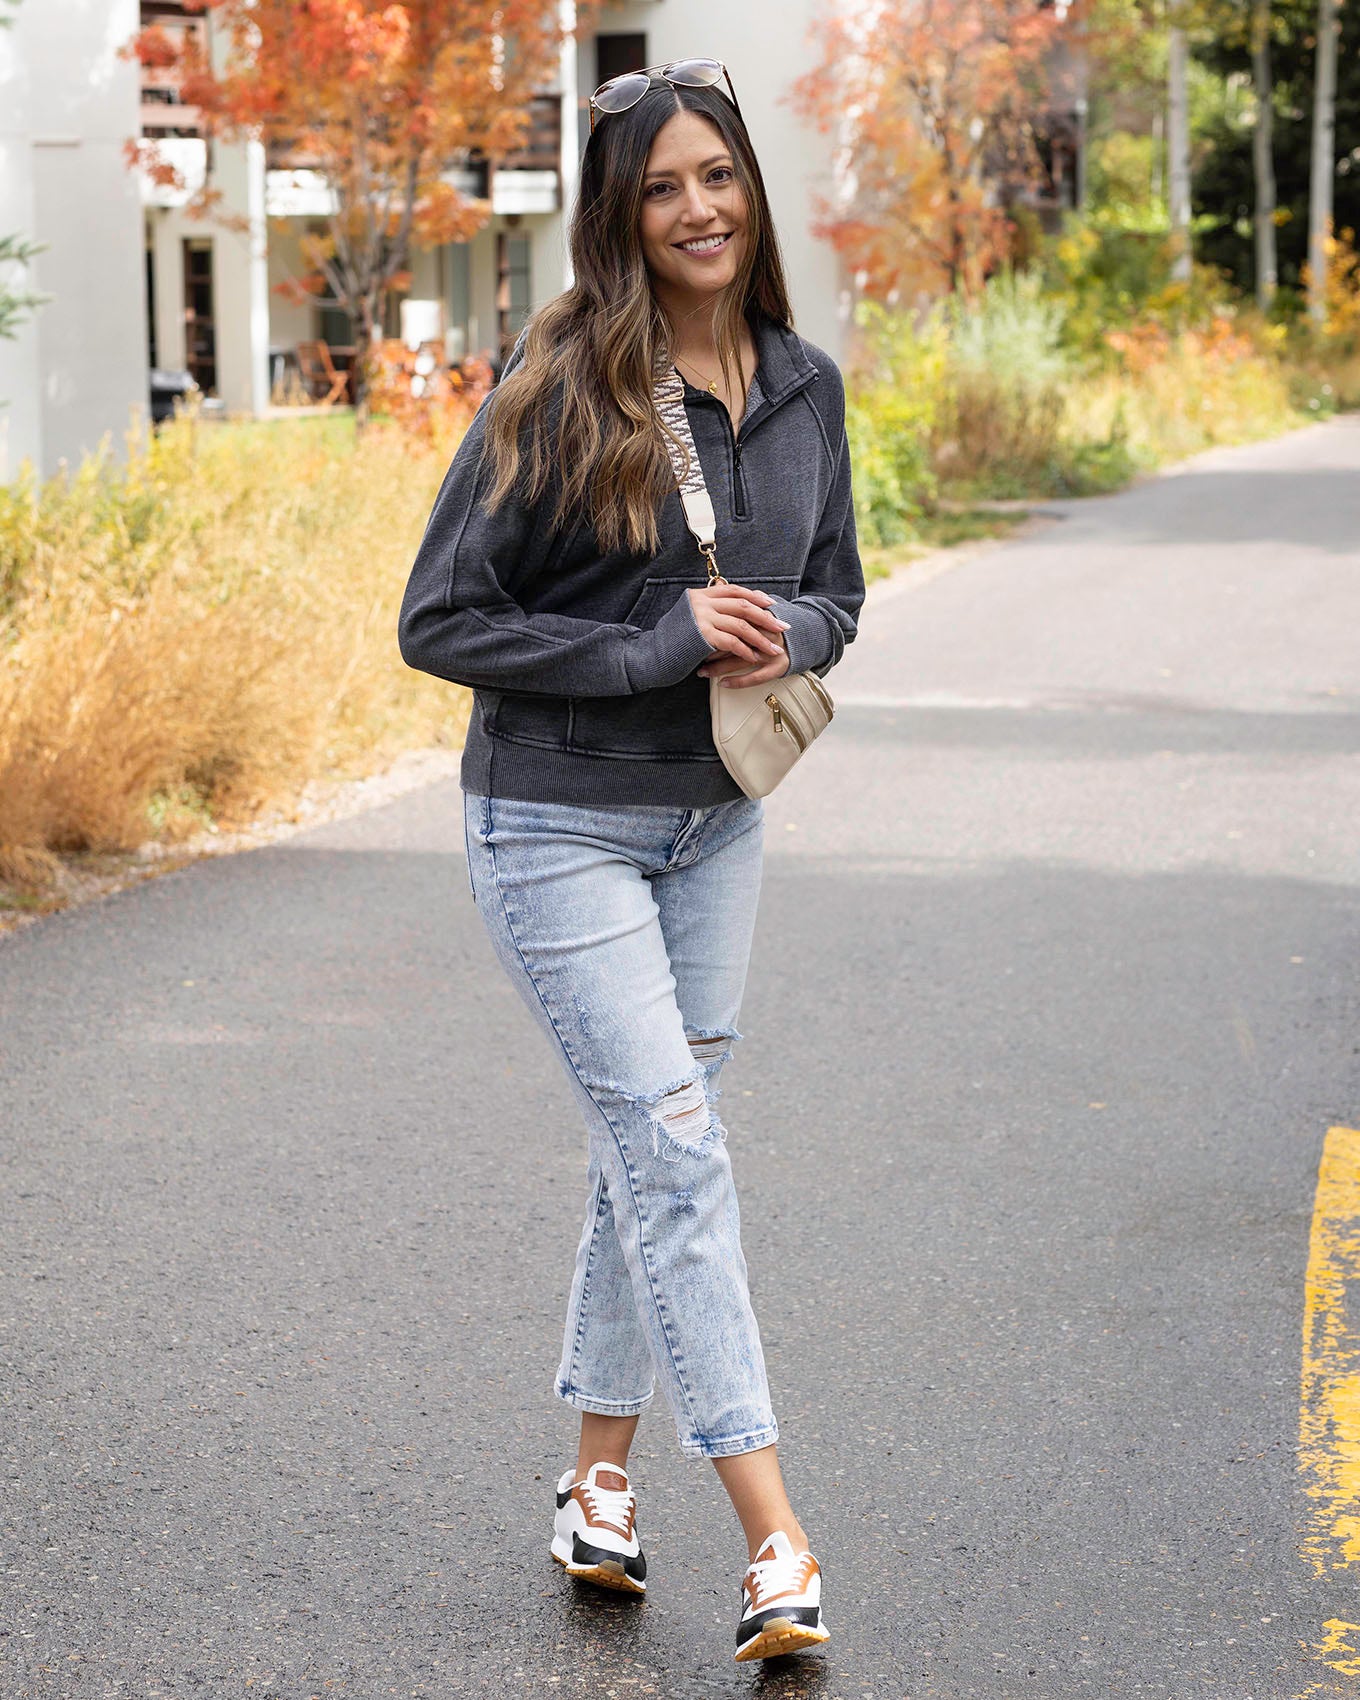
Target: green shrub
1007,370
891,404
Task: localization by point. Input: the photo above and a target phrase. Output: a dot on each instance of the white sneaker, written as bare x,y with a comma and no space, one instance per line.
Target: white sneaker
594,1538
781,1602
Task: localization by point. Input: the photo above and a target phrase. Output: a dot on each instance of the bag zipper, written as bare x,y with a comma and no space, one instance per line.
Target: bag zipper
784,721
823,696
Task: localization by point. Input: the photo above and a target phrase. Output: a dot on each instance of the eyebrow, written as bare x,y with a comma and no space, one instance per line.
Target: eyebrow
703,166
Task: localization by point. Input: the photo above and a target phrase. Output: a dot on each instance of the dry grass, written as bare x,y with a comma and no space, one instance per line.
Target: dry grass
200,630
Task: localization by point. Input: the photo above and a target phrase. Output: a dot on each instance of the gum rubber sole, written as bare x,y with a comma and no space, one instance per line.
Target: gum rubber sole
602,1575
780,1636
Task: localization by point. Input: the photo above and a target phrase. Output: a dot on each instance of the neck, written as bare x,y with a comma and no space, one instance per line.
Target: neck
691,317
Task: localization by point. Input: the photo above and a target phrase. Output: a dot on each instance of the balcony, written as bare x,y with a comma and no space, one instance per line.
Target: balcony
529,180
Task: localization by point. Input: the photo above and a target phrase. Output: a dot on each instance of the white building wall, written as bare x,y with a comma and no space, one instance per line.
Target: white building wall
765,46
67,106
240,280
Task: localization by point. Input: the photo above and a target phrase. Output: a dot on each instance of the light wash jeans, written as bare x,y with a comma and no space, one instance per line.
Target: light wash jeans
627,930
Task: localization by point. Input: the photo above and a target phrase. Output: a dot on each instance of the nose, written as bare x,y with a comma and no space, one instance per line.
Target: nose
698,207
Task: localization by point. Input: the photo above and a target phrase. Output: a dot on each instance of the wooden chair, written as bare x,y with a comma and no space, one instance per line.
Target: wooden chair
324,381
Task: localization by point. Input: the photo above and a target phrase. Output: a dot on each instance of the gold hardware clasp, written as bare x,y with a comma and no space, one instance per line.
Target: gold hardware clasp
709,552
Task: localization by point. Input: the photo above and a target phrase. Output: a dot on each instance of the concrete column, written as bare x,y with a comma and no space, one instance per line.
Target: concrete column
241,280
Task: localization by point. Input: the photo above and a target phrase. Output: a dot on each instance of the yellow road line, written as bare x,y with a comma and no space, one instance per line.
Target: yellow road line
1329,1408
1329,1415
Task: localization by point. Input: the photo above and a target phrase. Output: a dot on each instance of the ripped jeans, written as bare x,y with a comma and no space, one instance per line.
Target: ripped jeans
627,931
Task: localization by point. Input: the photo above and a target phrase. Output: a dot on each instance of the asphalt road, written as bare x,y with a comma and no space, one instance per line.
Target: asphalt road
1053,1001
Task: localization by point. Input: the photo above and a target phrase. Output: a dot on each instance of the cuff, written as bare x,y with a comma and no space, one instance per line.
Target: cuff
808,637
670,651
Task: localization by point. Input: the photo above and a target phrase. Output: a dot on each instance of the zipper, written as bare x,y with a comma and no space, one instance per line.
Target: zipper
739,508
784,722
823,696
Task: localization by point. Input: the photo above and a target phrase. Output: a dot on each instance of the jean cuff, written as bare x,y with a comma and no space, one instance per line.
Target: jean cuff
601,1407
732,1447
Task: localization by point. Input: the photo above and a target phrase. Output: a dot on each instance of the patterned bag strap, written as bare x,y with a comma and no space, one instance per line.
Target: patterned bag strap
668,392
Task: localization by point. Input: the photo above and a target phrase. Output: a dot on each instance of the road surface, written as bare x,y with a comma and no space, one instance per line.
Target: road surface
1053,1003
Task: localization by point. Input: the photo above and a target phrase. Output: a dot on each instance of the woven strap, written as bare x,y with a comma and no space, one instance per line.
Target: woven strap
668,392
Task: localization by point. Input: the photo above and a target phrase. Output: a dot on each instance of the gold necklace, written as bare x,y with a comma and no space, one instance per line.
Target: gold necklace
711,382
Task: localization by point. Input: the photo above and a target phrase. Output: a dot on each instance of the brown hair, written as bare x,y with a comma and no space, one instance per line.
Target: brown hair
578,411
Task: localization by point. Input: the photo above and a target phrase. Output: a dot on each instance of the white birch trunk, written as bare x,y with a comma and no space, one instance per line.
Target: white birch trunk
1178,152
1263,155
1323,173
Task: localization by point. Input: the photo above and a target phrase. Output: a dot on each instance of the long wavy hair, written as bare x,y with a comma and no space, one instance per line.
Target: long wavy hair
578,412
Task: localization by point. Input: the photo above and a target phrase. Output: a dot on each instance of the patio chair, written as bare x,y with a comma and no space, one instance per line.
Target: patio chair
325,382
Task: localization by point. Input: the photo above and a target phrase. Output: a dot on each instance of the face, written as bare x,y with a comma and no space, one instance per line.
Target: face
694,226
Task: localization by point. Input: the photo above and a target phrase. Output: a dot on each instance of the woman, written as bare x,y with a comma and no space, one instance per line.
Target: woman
614,862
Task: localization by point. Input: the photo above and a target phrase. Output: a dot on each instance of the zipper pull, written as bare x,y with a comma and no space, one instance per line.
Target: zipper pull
776,712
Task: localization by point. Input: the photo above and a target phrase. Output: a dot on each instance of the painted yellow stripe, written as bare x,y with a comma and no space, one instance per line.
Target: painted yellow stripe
1329,1417
1329,1410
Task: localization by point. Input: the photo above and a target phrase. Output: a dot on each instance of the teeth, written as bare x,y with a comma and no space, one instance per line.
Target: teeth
705,245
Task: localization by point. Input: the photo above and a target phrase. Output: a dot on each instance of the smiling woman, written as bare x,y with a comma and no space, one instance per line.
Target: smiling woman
614,862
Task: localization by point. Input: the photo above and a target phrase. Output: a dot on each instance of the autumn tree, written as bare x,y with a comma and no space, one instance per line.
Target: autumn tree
933,106
382,100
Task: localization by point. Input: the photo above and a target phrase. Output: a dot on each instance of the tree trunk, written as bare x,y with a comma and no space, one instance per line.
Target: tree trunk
1262,154
1178,153
365,320
1323,173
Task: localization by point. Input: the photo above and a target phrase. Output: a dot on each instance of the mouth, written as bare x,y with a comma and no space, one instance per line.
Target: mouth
702,246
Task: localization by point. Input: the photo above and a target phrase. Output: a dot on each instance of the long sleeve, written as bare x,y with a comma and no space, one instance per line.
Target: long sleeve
822,617
460,619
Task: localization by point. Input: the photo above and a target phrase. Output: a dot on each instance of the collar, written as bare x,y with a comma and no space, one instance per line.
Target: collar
782,368
781,361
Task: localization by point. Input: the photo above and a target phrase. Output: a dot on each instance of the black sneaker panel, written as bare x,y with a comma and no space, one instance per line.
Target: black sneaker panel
809,1616
583,1553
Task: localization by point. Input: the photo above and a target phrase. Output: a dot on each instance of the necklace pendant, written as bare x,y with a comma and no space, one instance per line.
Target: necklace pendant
713,387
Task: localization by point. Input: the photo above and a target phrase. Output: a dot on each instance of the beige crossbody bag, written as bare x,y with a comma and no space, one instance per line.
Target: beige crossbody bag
759,733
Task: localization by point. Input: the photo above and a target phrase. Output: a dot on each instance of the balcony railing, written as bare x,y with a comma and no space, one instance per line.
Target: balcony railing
542,148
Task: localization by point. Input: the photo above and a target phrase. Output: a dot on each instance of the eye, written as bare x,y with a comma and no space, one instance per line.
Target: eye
720,174
651,193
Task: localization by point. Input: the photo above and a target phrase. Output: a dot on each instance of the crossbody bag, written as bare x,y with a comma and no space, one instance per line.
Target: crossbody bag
759,733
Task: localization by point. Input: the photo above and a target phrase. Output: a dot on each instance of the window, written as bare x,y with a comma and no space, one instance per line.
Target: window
151,305
200,330
512,287
458,298
615,54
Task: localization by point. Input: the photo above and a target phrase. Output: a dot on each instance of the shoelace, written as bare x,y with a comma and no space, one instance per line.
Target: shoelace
609,1505
775,1576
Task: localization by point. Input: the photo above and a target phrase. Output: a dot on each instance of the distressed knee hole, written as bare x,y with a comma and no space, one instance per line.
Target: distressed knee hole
684,1113
710,1049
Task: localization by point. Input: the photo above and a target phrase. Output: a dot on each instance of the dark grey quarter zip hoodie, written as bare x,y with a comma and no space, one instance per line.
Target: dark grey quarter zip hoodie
583,663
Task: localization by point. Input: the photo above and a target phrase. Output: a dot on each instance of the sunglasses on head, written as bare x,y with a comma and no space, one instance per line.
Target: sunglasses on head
619,93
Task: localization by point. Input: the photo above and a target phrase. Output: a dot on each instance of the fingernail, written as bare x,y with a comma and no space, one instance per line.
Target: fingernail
783,625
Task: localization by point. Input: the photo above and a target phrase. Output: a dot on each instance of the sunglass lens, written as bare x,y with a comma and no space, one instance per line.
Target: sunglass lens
622,92
694,73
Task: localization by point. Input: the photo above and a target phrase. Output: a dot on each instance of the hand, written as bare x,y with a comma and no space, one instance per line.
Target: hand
741,675
737,624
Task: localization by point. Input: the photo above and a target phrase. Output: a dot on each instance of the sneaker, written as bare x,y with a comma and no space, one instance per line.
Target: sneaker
781,1602
593,1534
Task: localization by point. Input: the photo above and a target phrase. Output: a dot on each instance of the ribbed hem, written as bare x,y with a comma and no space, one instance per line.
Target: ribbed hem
808,639
496,767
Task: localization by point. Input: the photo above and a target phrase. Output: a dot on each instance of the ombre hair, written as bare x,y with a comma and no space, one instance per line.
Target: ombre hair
577,413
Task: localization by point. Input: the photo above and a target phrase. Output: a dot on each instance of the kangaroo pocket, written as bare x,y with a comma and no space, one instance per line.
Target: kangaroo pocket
670,724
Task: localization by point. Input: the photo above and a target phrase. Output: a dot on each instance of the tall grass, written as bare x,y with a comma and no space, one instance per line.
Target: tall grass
201,628
997,399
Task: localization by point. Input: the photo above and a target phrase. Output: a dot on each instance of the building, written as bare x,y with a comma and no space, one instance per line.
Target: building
68,105
138,284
